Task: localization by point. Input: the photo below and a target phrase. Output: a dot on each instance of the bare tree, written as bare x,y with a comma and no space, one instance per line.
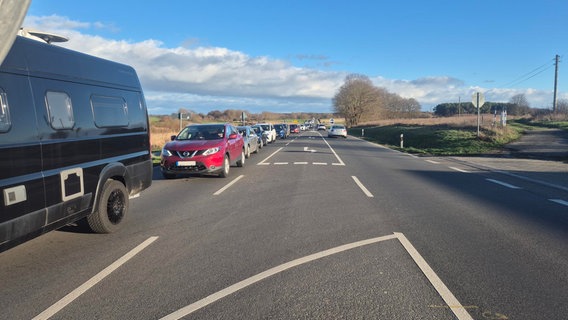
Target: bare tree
562,106
521,105
354,98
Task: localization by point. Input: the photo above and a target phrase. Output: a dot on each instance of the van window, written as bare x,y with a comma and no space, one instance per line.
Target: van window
60,110
109,111
5,122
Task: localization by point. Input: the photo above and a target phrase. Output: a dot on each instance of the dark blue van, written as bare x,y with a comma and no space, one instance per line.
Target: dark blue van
74,141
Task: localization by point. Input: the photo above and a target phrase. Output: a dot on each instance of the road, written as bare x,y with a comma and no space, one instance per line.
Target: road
310,228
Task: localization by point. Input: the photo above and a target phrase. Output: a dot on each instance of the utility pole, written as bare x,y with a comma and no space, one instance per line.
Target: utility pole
555,83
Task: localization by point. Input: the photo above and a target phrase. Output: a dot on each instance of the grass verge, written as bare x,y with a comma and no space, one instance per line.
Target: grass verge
441,139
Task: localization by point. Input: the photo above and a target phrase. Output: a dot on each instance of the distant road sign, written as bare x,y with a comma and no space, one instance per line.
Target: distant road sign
331,121
478,97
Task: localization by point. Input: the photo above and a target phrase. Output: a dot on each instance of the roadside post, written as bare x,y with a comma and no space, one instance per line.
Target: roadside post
478,100
362,132
180,117
402,140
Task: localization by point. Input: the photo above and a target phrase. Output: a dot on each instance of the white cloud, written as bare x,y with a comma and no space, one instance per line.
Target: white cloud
208,78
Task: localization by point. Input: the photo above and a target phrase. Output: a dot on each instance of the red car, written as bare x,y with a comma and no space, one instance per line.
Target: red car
203,148
294,128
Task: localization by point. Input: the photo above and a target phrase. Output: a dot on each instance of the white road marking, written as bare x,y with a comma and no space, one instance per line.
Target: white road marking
341,163
432,161
263,164
300,162
309,150
320,163
503,184
280,163
268,273
559,201
273,153
228,185
460,170
365,190
49,312
456,307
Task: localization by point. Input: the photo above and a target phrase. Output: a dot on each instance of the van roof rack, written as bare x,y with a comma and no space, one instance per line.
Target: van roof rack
46,37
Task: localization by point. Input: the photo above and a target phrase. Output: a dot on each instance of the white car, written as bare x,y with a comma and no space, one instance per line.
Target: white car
337,130
270,131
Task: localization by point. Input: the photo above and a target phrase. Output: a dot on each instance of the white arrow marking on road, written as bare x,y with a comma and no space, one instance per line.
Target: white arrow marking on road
309,150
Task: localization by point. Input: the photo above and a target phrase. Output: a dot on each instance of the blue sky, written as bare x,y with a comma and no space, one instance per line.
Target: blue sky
292,56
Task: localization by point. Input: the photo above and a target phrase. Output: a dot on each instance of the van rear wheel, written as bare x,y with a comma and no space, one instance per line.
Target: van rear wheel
112,208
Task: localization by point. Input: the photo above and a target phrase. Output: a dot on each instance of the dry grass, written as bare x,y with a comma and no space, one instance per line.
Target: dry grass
462,121
160,136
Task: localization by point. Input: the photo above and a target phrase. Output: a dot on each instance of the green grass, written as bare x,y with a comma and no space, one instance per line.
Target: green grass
440,139
543,124
156,157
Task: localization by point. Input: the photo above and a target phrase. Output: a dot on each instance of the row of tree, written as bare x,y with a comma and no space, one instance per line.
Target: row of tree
359,99
517,106
236,115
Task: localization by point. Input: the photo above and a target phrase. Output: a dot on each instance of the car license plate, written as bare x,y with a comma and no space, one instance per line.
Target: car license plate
185,163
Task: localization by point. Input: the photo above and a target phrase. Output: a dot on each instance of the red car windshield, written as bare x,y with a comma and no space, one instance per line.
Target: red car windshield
202,132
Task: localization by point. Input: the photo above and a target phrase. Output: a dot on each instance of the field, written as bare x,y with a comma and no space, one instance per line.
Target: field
442,136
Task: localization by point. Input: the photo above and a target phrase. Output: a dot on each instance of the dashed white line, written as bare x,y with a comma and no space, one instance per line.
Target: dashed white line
300,162
49,312
503,184
273,153
280,163
460,170
559,201
320,163
362,187
432,161
228,185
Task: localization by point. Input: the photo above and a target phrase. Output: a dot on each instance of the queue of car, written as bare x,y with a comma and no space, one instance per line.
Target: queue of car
213,148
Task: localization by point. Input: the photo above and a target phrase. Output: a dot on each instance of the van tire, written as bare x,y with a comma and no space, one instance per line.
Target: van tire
111,209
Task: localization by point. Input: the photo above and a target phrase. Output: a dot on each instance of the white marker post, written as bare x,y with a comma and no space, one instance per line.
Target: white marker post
402,140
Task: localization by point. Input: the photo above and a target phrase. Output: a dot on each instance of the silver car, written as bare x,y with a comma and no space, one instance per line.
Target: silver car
250,138
337,130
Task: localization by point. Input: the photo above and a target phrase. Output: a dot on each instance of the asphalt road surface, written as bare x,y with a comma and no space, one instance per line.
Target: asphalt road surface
309,228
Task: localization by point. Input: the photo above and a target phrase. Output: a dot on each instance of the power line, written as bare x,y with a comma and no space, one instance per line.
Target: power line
533,73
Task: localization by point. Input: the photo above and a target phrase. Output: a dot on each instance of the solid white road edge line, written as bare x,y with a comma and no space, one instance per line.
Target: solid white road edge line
559,201
503,184
362,187
432,161
456,307
273,153
228,185
458,169
341,163
268,273
93,281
